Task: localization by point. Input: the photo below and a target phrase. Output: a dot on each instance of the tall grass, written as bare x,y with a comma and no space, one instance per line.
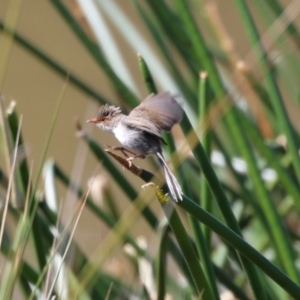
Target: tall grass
234,231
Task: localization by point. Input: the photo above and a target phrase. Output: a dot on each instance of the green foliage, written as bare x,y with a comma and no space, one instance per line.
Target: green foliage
239,233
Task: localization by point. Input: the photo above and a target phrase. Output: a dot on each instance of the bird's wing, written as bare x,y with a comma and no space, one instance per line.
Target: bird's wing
144,125
161,109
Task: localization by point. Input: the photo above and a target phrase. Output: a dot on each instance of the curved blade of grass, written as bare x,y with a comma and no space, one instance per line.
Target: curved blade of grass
244,248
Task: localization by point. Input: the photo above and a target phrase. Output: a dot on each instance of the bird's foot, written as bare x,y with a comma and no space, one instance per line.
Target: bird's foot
130,159
122,149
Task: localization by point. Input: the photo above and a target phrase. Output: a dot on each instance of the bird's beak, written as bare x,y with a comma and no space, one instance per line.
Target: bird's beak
95,120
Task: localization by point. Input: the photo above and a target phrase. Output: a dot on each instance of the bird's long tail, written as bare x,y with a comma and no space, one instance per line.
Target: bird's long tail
171,180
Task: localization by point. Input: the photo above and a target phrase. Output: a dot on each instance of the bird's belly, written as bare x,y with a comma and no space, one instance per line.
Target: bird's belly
127,137
136,140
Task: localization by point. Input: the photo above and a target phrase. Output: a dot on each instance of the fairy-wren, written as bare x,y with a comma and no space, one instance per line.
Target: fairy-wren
141,130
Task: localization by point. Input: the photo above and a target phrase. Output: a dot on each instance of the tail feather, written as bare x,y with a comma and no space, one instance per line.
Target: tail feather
173,185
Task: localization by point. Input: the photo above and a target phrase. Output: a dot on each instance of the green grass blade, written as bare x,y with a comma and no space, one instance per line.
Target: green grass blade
245,249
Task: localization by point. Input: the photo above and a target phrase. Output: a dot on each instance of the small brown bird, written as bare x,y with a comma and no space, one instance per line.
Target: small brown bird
140,131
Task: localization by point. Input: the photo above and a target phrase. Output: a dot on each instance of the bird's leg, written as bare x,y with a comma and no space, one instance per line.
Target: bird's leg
122,149
130,159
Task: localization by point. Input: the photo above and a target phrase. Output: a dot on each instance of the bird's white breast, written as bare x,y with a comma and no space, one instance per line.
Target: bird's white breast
120,132
127,137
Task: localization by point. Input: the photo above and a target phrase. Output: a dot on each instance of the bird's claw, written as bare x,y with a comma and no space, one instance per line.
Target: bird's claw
130,159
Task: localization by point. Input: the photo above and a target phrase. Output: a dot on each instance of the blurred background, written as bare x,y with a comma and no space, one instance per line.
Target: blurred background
36,87
55,51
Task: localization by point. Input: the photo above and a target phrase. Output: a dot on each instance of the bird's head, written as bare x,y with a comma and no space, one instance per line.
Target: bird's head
107,117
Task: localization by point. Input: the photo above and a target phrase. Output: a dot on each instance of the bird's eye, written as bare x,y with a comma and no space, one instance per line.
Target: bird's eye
105,114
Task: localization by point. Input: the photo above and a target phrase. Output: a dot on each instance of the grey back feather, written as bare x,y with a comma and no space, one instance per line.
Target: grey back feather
162,110
143,125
